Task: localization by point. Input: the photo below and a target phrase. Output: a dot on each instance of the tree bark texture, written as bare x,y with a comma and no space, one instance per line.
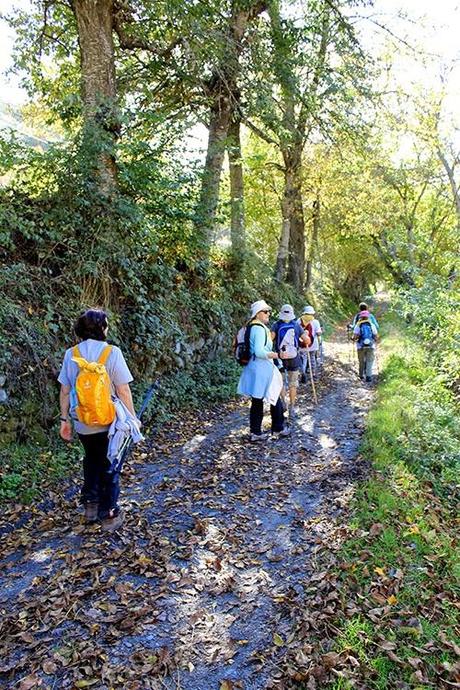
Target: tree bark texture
283,247
222,90
313,242
294,206
453,184
220,116
237,228
95,36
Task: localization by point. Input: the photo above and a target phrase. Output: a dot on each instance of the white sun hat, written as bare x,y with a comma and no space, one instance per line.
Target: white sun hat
308,310
286,313
260,305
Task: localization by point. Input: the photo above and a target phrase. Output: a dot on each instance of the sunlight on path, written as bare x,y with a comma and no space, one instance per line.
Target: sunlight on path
203,583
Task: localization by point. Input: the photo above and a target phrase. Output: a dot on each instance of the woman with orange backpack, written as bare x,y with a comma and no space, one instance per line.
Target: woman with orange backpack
92,373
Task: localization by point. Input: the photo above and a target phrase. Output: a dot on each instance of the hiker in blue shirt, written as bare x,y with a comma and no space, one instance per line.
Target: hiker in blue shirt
257,376
364,307
365,334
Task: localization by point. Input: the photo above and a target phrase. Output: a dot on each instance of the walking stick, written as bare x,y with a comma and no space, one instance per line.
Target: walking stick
127,444
350,345
377,363
311,378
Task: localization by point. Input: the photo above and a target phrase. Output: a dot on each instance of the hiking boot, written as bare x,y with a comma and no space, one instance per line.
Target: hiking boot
292,414
113,521
257,438
91,510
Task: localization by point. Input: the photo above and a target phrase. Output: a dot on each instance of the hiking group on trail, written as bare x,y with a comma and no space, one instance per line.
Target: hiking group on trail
291,346
95,395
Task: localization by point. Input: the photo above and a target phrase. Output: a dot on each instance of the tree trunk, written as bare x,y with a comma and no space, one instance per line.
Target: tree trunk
293,192
217,140
95,26
222,91
314,242
238,235
453,184
283,247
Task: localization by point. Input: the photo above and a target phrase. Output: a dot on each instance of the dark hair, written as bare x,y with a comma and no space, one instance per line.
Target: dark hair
91,324
363,306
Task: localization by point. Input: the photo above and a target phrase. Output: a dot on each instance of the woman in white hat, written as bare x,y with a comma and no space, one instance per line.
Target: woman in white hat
256,379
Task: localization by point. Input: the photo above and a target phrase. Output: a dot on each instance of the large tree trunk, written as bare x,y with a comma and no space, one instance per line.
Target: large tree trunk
283,247
95,26
237,229
222,90
313,243
220,117
293,193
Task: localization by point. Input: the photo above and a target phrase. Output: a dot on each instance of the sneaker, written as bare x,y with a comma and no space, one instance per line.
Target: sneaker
292,413
91,510
257,438
114,521
281,434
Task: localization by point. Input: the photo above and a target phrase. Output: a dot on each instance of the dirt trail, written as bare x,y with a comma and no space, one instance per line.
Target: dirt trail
202,584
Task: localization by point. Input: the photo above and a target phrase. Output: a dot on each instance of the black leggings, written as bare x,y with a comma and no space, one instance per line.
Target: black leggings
257,412
99,484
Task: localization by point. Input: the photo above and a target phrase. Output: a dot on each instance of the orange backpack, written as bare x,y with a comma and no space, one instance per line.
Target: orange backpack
95,406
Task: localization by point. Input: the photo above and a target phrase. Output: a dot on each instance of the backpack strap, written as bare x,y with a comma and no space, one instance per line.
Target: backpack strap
103,357
248,332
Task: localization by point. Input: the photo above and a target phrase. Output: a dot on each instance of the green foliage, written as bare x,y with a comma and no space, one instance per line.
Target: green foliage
433,314
28,470
66,246
402,547
417,420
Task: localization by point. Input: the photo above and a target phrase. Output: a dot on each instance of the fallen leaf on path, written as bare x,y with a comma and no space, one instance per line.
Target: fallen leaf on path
226,685
30,682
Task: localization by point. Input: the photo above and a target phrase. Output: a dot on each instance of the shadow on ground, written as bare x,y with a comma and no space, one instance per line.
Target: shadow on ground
200,588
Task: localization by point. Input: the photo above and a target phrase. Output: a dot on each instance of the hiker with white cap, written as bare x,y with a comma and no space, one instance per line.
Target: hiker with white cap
260,374
289,336
313,327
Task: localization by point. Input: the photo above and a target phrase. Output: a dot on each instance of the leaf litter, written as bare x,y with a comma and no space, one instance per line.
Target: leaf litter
215,580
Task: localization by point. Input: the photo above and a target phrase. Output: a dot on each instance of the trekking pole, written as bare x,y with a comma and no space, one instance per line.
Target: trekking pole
311,378
377,362
128,442
350,345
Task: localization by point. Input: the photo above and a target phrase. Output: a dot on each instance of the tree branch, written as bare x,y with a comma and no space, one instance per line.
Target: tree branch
128,42
260,133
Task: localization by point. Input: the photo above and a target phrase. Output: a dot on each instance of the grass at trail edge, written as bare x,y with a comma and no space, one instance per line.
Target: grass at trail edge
397,620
